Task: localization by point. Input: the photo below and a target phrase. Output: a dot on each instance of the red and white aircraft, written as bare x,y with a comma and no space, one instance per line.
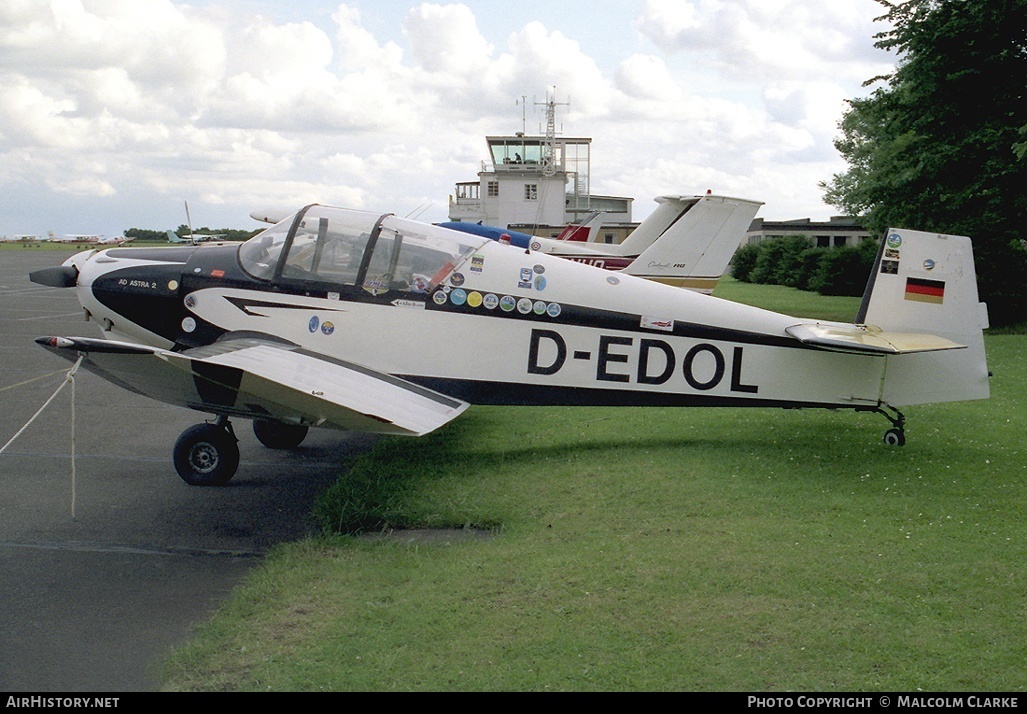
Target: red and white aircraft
687,241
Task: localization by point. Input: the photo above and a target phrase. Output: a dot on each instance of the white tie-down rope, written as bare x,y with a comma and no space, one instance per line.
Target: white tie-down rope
69,377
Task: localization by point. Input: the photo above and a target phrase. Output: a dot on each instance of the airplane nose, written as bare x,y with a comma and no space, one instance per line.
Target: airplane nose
62,276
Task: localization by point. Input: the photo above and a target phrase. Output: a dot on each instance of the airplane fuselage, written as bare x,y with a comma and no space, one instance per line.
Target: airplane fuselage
506,327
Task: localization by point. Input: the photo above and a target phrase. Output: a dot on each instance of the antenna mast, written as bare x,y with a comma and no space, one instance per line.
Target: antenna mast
549,154
523,101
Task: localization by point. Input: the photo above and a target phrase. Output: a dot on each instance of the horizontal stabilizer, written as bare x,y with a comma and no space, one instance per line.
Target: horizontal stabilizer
260,379
861,339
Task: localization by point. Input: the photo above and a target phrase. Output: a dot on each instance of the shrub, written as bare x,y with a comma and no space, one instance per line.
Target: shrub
789,262
778,260
744,261
809,261
792,262
841,271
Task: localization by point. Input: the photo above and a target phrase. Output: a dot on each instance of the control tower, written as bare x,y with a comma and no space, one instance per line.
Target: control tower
534,180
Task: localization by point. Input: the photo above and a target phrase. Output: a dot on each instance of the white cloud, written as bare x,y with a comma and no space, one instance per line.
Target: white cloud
540,57
445,38
646,77
768,39
118,100
358,48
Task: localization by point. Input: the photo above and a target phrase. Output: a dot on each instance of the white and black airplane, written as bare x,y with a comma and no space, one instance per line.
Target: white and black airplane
359,321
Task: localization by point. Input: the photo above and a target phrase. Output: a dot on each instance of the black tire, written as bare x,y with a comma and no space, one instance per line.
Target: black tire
895,437
206,455
276,435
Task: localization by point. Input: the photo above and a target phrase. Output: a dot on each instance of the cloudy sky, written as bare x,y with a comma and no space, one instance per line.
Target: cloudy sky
113,113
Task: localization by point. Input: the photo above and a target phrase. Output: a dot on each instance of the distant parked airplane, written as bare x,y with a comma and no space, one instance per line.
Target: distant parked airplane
91,239
23,238
194,238
686,242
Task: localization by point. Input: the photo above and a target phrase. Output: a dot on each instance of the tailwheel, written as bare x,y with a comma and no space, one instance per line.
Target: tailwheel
207,454
895,437
278,435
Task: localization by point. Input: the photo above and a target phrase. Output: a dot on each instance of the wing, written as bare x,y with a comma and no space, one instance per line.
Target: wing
258,378
862,339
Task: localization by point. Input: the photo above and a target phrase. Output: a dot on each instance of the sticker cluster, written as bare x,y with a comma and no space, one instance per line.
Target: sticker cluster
530,278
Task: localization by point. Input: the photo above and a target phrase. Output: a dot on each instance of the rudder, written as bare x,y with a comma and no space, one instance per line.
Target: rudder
926,283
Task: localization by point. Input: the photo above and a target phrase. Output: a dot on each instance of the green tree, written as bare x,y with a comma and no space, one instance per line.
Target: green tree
941,146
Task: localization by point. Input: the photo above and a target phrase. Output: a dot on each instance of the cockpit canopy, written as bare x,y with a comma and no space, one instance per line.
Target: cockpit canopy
341,247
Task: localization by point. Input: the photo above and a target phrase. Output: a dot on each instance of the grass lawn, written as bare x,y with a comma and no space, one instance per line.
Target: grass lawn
590,549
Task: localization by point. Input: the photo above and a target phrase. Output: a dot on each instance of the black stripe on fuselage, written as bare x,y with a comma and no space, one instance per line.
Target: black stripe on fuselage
570,315
517,394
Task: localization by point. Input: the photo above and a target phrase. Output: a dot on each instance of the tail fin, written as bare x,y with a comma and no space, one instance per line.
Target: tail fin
925,282
668,212
586,231
593,224
695,251
174,238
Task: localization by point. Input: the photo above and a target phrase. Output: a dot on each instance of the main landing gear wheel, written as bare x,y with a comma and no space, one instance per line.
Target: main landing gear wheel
276,435
207,454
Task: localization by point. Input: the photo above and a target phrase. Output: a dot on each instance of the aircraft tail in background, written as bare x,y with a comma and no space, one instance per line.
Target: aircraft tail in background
694,250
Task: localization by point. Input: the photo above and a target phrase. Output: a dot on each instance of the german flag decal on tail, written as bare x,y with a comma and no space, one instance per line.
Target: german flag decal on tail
923,290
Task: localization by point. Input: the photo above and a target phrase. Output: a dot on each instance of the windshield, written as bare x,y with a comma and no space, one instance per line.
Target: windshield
356,248
259,255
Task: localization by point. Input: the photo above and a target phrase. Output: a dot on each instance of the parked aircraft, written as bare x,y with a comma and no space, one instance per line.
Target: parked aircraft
194,238
91,239
585,232
359,321
687,241
24,238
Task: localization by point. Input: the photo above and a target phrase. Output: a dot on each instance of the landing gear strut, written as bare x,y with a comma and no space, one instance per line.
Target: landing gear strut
207,454
896,436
